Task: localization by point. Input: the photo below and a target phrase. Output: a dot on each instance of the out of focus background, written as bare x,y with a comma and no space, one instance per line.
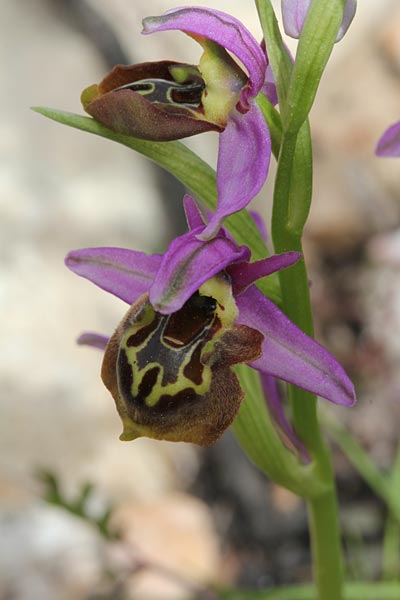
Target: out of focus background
190,518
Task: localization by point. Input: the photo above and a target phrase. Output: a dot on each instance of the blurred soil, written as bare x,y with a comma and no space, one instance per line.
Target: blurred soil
190,518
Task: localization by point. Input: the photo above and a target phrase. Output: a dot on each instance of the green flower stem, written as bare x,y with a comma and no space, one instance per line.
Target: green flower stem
390,552
325,537
391,539
287,220
286,235
296,87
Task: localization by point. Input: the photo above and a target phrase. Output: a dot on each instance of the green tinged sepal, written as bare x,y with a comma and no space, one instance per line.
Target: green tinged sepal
223,79
170,375
195,174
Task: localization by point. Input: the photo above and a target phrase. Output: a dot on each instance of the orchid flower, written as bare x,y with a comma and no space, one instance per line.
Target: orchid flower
294,13
194,312
389,143
166,101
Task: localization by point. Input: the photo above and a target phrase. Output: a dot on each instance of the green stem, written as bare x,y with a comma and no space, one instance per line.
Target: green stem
286,234
292,197
324,522
325,537
294,286
391,539
390,552
353,591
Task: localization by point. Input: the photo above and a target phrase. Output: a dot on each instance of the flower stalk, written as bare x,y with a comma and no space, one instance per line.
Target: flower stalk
296,87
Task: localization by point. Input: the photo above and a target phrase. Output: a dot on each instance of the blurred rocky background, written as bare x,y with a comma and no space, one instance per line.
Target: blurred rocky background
190,518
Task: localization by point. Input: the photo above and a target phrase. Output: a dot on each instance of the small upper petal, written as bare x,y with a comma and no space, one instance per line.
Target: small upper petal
291,355
187,264
389,143
244,274
194,216
221,28
243,161
125,273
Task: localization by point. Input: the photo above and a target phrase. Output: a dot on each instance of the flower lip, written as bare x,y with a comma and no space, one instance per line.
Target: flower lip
122,75
145,77
190,264
148,102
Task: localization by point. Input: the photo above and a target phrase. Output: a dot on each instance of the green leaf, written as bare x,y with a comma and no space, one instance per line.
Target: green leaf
195,174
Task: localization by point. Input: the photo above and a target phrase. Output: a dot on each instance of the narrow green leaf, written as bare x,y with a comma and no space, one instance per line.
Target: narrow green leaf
195,174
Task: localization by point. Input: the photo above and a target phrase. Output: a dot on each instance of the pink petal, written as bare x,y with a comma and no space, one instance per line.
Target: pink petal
187,264
243,162
194,216
260,224
125,273
219,27
95,340
389,143
244,274
291,355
